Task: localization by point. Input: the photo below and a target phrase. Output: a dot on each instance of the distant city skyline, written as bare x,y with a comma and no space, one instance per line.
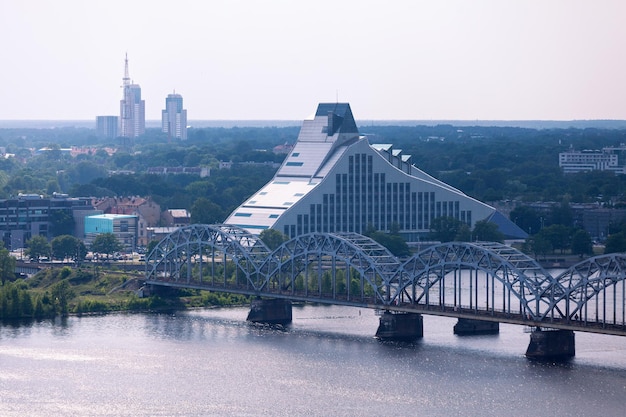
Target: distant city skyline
250,60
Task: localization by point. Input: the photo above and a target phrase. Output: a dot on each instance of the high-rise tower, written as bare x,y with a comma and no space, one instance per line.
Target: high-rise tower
106,126
174,117
132,108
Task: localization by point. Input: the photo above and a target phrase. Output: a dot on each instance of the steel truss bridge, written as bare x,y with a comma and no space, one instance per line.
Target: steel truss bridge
480,280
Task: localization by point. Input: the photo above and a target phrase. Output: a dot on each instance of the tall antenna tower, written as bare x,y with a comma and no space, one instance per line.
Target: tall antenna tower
132,107
126,108
126,79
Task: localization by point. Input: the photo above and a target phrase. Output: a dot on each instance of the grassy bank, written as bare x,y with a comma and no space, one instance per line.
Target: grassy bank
64,291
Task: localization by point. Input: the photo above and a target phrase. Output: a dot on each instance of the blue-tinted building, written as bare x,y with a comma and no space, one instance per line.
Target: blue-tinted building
123,226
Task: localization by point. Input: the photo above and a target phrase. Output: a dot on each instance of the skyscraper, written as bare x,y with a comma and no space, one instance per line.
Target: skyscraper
174,117
334,180
132,108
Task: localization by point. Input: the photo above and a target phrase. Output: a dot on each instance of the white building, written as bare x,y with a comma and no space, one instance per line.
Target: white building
335,181
591,160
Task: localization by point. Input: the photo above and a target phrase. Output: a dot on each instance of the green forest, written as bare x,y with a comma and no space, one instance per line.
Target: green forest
489,164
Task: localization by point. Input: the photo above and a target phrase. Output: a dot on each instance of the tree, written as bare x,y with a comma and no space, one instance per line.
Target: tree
151,245
81,252
615,243
62,293
539,245
52,187
392,241
7,265
106,244
526,218
464,234
445,229
396,245
562,214
487,232
66,246
84,172
204,211
581,243
37,247
558,235
273,238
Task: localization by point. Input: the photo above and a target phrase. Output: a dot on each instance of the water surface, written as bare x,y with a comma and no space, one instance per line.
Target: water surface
327,363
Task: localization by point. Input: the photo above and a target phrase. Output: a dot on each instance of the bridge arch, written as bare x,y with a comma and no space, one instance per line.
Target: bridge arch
511,282
328,266
200,252
595,290
455,278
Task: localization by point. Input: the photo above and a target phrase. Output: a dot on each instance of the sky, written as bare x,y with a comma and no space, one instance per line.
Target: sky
276,60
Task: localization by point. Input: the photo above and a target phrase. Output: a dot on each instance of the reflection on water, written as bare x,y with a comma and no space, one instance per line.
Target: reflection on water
327,362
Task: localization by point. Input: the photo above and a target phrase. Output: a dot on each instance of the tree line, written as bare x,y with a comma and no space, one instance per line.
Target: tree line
487,163
68,247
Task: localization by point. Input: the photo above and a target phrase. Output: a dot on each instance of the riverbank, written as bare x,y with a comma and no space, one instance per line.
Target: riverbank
81,291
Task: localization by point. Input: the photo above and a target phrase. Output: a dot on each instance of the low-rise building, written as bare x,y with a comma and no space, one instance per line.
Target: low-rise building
202,172
587,160
176,217
31,215
159,233
124,227
147,211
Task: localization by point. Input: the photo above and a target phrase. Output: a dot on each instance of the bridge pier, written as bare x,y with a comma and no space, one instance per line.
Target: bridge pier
270,311
551,344
400,326
471,326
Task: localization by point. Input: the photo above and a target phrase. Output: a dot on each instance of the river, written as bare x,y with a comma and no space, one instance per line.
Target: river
327,363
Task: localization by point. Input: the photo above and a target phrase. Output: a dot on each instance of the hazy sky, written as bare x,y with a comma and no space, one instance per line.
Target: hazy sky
252,59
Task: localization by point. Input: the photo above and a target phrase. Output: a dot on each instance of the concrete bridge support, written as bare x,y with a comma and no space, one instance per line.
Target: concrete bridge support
550,344
270,311
470,326
400,326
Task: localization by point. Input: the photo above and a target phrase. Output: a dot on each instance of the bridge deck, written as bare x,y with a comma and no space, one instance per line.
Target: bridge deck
480,280
432,309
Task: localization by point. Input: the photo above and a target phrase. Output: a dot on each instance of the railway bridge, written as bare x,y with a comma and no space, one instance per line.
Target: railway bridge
480,283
